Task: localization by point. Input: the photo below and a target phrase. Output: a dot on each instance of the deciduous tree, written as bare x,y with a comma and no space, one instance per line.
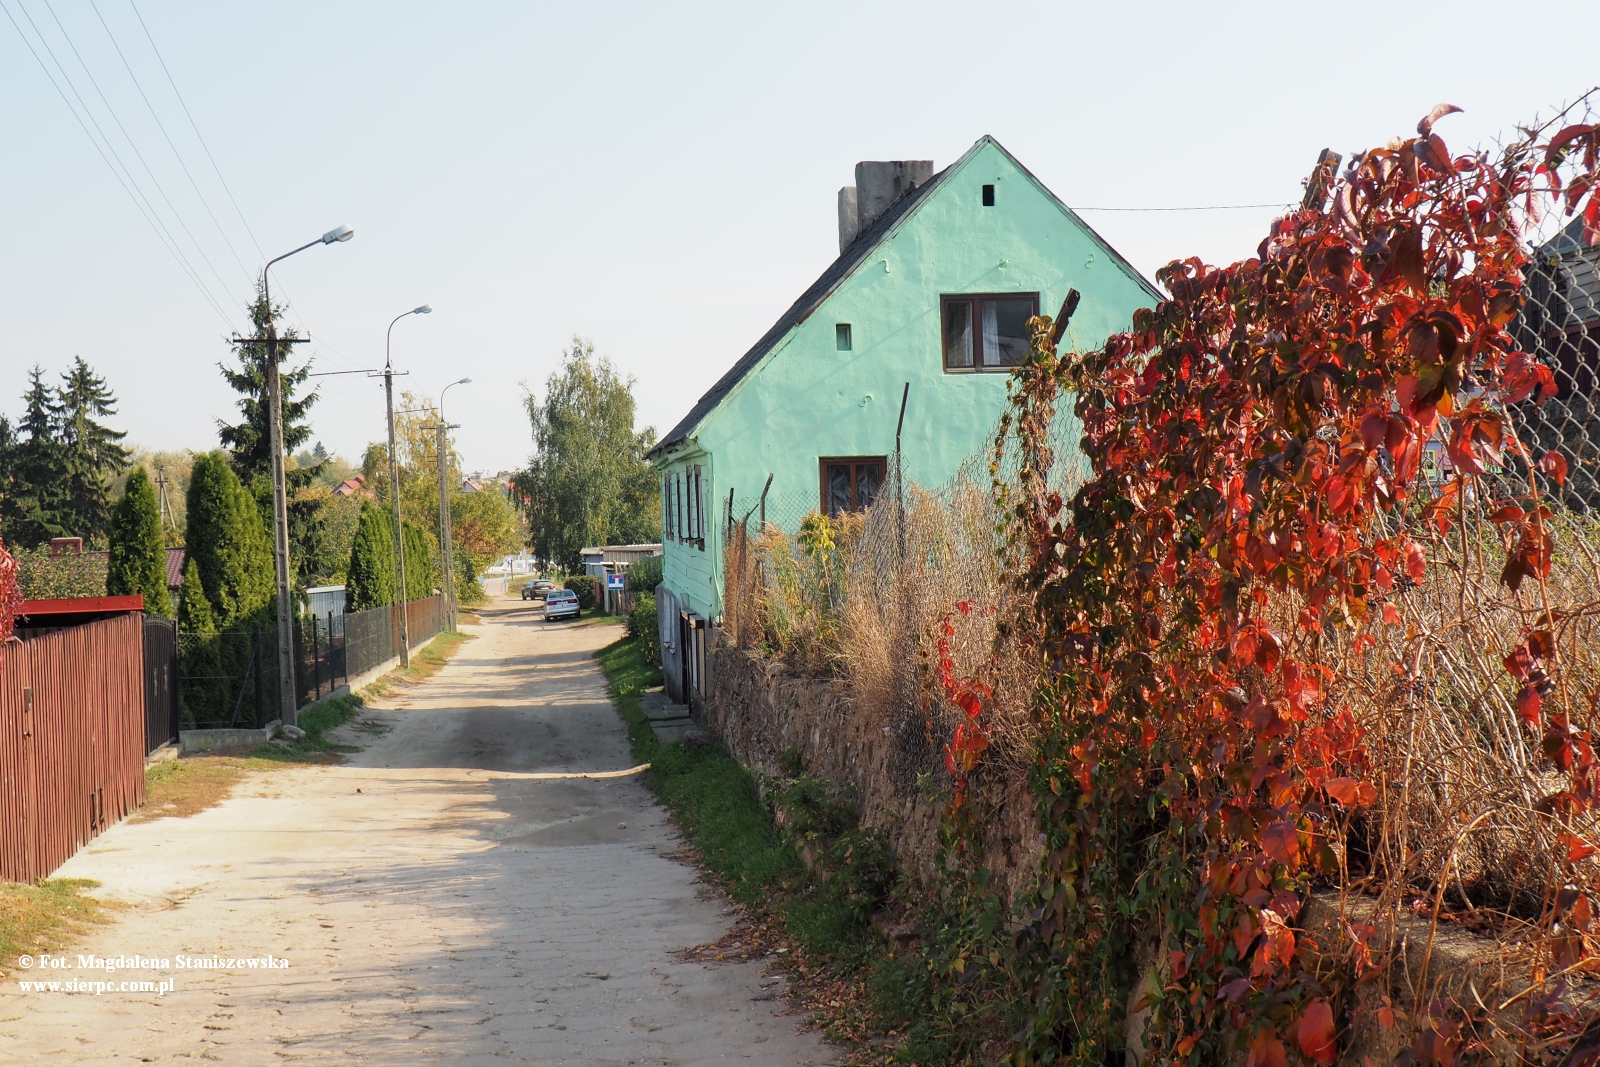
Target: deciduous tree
587,482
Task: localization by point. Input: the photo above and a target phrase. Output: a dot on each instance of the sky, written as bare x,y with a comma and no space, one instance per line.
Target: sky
657,178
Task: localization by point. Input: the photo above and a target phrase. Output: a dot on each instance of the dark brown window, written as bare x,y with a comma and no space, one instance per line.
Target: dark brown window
850,483
987,332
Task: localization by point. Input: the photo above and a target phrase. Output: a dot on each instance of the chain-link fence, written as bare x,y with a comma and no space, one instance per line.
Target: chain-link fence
231,679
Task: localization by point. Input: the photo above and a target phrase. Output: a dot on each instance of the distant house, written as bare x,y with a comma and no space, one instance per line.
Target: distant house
937,276
1560,323
176,557
477,483
353,487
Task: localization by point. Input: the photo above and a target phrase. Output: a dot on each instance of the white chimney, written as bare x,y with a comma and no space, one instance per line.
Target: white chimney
879,183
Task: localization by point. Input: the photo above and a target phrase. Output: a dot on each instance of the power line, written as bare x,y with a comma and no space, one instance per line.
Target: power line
162,127
128,186
1208,207
129,138
195,127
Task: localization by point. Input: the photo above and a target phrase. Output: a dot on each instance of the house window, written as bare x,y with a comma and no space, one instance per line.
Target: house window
841,337
988,331
988,196
668,513
696,513
677,489
850,483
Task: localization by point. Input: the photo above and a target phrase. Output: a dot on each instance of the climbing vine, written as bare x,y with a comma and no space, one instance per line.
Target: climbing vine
1258,508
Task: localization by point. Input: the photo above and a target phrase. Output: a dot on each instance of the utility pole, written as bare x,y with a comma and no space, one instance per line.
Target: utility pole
446,544
394,501
394,489
280,505
166,507
445,547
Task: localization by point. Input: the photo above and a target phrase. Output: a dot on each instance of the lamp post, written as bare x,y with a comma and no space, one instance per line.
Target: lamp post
446,548
280,503
394,486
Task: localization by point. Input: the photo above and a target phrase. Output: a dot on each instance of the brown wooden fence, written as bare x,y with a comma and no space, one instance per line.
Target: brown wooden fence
72,741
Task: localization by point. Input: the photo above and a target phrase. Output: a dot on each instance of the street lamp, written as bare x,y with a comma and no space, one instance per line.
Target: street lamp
394,485
446,548
280,505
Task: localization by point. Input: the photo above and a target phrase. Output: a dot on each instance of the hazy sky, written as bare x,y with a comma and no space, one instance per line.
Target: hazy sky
659,178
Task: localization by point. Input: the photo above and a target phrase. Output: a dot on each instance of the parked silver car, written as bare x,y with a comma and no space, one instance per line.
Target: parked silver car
560,604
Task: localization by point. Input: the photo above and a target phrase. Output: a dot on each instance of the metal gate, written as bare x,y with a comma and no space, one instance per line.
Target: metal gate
160,682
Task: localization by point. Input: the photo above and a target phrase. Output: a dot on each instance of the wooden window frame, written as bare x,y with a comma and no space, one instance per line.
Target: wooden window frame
976,300
823,462
667,515
697,514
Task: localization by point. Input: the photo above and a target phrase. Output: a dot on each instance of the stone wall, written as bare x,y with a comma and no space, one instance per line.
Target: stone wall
893,764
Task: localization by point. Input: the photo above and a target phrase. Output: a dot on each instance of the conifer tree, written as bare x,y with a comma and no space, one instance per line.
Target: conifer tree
138,551
249,442
204,690
419,561
91,453
369,580
194,610
228,541
34,506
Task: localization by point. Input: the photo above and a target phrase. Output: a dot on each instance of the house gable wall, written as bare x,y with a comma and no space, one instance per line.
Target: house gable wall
807,400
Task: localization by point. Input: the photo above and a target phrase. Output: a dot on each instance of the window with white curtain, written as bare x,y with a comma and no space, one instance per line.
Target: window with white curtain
986,331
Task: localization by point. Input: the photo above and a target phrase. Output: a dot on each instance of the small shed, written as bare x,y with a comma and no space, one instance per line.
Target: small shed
606,560
326,604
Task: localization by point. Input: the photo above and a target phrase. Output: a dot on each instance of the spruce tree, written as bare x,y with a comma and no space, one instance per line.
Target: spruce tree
91,453
34,511
249,442
369,580
228,542
138,551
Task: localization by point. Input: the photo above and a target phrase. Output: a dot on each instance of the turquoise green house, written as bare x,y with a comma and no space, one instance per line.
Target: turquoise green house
936,278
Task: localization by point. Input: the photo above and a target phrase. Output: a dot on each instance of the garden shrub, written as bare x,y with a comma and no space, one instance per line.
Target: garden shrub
586,588
643,624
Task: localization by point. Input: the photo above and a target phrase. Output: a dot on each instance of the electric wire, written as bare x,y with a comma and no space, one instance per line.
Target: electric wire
162,127
131,144
196,128
215,169
140,203
1207,207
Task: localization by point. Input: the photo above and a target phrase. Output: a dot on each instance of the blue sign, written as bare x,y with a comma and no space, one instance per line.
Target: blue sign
614,581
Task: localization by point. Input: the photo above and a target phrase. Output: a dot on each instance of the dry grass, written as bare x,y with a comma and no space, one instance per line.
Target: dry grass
45,917
183,787
864,598
1463,779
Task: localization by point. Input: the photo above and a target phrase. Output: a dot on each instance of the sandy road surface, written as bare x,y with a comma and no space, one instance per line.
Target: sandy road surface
437,904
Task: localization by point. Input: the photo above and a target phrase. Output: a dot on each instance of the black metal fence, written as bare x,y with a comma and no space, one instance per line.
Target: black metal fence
231,679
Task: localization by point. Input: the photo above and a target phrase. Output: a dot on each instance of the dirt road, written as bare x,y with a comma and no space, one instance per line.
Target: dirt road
438,900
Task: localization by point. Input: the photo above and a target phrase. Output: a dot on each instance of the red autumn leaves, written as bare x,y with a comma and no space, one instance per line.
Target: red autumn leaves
1262,438
970,739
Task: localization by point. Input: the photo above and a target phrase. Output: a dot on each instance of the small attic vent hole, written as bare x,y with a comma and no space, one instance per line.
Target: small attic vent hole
988,196
841,336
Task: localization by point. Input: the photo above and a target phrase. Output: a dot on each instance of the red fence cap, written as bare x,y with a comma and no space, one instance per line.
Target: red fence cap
82,605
